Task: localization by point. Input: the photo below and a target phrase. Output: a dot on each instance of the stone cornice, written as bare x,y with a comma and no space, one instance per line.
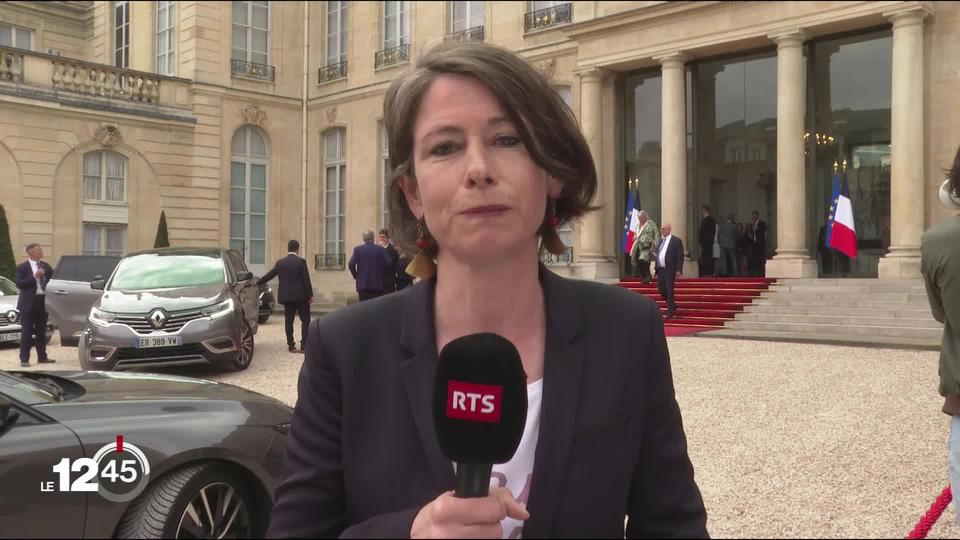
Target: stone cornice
638,18
920,9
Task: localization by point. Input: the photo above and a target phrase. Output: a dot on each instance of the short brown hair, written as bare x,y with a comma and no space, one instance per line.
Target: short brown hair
953,174
545,124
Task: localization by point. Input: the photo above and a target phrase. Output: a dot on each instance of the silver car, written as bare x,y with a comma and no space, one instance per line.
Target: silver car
69,296
9,316
172,307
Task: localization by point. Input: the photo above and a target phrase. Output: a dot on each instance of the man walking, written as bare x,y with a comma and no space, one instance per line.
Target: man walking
729,266
32,278
758,240
295,292
669,266
367,265
390,275
707,236
940,266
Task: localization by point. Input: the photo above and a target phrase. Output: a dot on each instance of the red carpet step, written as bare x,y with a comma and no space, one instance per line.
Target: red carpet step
703,303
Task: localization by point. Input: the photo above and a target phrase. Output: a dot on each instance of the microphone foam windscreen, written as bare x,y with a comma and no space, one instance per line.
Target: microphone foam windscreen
480,399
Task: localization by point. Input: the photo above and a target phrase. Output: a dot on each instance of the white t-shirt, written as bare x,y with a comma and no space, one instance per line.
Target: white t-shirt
515,475
33,266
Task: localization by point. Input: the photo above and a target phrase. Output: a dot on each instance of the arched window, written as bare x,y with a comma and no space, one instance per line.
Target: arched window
334,184
248,195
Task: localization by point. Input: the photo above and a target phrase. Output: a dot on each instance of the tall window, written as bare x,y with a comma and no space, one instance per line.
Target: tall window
384,178
336,32
465,15
11,36
565,231
544,4
104,177
335,180
121,34
396,23
248,195
101,239
251,32
165,36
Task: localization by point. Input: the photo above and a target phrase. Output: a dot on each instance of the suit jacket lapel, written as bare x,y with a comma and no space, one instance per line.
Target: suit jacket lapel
563,365
418,337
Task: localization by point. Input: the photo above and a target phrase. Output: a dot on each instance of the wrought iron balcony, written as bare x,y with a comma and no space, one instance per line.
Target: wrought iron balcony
251,70
470,34
335,261
547,18
332,72
564,258
390,57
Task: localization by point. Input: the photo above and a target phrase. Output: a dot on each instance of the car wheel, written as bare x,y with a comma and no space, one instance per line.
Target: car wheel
263,319
245,354
205,500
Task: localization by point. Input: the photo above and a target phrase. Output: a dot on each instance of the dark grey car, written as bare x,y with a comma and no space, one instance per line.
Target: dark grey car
173,307
215,454
69,295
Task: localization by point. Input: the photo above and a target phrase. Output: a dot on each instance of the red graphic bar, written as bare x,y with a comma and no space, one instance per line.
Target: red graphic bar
119,443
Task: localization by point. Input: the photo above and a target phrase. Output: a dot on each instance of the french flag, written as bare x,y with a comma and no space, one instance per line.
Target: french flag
843,233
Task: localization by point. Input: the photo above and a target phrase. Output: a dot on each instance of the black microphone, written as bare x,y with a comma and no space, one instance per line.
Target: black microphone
479,407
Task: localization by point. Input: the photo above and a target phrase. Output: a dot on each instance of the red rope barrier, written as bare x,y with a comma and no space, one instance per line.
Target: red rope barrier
933,514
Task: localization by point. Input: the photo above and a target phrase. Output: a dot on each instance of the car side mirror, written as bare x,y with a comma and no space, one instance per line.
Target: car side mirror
98,283
243,275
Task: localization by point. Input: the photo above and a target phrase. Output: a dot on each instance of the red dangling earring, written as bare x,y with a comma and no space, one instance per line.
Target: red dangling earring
422,266
551,240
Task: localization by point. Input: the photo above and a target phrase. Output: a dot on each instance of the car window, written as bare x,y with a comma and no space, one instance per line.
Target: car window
84,268
24,390
166,271
237,261
7,288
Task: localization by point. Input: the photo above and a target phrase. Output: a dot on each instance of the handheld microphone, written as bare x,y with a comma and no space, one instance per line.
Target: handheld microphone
479,407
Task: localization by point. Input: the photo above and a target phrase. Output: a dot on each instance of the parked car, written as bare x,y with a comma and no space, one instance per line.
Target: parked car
267,303
69,296
9,316
215,455
173,306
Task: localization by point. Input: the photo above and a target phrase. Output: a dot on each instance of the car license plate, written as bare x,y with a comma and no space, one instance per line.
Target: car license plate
161,341
9,337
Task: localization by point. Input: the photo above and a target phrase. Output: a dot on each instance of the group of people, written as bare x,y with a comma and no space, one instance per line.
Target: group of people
731,249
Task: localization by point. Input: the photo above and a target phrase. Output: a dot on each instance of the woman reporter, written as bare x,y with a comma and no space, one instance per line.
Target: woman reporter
487,161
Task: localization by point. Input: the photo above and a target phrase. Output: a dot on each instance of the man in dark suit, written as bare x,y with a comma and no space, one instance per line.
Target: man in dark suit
758,237
367,265
296,292
390,275
32,278
669,266
708,233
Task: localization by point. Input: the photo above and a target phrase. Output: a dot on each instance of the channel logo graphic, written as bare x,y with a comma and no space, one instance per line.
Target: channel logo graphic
119,472
474,402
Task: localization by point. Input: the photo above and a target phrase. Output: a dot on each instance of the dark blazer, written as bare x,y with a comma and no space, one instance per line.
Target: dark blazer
295,286
674,256
363,458
759,234
368,264
390,274
27,284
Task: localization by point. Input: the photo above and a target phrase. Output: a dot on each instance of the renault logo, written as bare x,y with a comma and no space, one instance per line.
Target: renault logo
158,318
12,316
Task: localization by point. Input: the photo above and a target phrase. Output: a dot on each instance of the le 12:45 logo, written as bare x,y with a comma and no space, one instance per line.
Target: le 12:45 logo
118,472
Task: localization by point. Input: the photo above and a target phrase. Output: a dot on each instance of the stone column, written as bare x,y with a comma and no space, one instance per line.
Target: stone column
593,262
673,148
792,259
906,146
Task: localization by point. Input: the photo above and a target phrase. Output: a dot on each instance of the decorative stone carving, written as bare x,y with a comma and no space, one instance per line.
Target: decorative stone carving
332,114
547,67
107,135
253,114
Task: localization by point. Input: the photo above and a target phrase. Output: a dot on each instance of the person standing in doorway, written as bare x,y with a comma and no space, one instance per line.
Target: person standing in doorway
729,266
669,266
708,234
758,236
642,250
296,292
32,278
367,265
389,275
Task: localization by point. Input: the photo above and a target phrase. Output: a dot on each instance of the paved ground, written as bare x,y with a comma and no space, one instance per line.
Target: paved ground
788,440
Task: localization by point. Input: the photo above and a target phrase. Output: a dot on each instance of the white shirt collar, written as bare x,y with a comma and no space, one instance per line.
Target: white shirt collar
292,253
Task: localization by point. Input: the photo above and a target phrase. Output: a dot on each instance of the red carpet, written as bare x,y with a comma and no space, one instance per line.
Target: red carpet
703,303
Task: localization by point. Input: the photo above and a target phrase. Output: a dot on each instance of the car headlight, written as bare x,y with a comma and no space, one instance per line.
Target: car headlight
100,317
218,310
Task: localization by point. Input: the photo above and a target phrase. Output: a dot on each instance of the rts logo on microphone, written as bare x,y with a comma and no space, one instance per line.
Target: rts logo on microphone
474,402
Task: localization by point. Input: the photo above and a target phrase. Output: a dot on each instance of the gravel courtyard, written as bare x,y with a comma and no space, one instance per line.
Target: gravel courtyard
788,440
